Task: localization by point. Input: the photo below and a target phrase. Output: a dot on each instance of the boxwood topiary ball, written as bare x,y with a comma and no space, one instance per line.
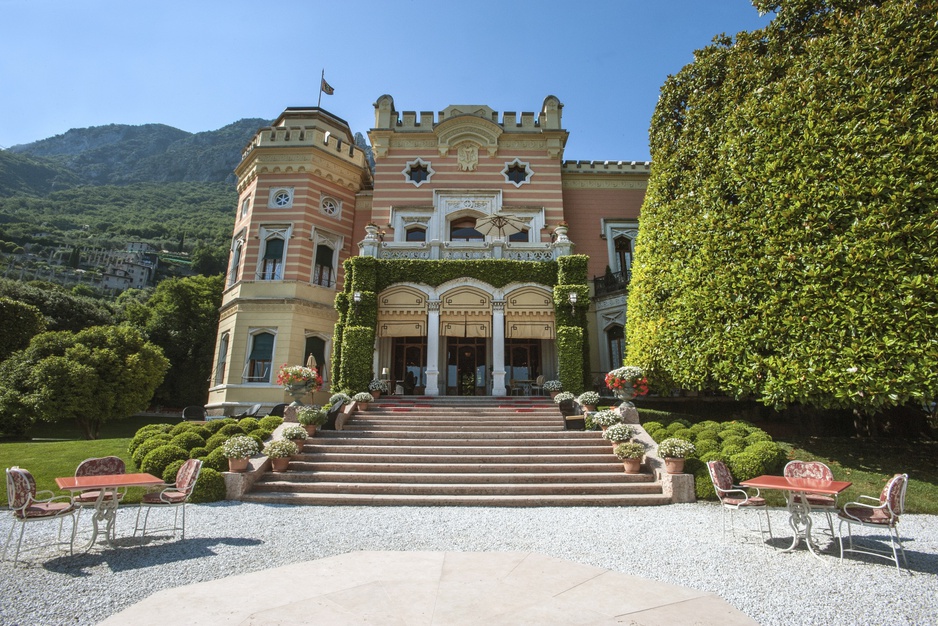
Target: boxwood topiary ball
210,487
157,461
188,440
154,442
215,460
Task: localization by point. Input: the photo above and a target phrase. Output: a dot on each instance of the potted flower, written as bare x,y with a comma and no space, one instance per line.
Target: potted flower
674,451
311,417
553,386
563,396
238,450
588,400
279,452
627,382
298,380
605,418
296,434
630,454
617,433
363,399
377,387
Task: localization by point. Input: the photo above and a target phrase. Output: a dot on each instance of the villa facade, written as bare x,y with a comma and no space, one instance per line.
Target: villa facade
457,238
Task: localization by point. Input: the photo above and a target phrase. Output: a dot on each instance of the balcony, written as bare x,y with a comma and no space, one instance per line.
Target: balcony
611,283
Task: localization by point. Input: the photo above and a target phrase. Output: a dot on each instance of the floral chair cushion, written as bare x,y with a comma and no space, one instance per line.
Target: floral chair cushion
720,475
187,475
101,466
21,487
808,469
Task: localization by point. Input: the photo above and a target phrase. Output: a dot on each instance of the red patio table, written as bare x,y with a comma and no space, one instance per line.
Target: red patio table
799,511
105,507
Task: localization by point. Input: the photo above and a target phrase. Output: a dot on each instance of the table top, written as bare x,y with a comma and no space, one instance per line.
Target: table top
76,483
805,485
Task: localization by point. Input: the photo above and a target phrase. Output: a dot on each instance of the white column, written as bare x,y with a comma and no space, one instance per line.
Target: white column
433,348
498,348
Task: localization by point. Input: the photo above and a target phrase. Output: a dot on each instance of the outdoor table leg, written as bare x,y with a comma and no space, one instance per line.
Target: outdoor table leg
799,518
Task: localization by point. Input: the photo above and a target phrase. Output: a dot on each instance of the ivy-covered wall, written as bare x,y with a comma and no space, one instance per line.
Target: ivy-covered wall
353,347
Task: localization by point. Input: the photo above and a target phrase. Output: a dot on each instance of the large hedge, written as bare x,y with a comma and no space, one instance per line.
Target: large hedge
788,245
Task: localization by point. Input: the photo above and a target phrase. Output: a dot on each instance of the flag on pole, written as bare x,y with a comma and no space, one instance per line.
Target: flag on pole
326,88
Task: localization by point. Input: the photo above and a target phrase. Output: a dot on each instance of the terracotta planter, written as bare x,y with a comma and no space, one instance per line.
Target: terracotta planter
375,394
363,405
299,443
310,429
238,465
632,466
589,408
553,394
674,466
280,464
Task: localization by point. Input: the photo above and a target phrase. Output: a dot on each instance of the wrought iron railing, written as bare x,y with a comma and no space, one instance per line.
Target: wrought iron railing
611,282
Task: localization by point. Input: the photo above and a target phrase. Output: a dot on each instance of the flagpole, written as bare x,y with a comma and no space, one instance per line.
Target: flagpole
322,77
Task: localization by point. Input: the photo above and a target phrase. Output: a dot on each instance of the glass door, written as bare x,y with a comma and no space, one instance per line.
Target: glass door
466,373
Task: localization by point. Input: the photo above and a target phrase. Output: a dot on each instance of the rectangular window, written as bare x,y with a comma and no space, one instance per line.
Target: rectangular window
261,357
272,265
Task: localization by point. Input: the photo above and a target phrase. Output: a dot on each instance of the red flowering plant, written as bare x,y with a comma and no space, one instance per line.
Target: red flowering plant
299,376
627,382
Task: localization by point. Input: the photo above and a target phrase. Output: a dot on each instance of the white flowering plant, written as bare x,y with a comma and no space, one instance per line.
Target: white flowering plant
563,396
630,450
239,447
606,418
363,397
675,448
378,385
280,449
293,432
619,432
311,415
588,398
339,397
552,385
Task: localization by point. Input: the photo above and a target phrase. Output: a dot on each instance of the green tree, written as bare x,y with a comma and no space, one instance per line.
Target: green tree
19,322
61,309
94,376
788,246
209,260
182,318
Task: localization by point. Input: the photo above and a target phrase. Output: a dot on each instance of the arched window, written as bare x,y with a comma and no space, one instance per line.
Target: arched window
464,229
222,359
260,357
272,260
615,335
623,249
237,247
323,271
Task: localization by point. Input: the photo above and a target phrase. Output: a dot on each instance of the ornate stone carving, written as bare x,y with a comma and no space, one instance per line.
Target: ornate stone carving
468,156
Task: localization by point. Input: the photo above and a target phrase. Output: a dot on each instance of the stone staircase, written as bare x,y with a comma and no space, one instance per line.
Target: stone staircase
458,451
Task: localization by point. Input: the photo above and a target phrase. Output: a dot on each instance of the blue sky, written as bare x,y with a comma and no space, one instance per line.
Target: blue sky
201,64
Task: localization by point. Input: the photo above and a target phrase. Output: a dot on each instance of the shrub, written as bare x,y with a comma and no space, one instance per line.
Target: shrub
261,433
181,427
734,440
230,429
707,445
713,456
198,453
708,433
703,485
157,460
215,460
215,441
154,442
169,474
271,422
258,440
659,435
145,433
770,454
683,433
678,423
210,487
188,440
710,424
649,426
757,436
732,429
248,424
216,425
731,449
745,465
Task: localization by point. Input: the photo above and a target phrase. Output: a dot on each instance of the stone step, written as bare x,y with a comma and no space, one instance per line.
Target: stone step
399,449
609,477
352,499
410,466
491,438
459,489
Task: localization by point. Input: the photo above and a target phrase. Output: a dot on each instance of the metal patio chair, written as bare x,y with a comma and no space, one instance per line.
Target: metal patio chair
818,502
883,515
27,506
735,498
173,496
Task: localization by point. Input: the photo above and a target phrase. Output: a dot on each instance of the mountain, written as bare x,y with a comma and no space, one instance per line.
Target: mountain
119,154
24,174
